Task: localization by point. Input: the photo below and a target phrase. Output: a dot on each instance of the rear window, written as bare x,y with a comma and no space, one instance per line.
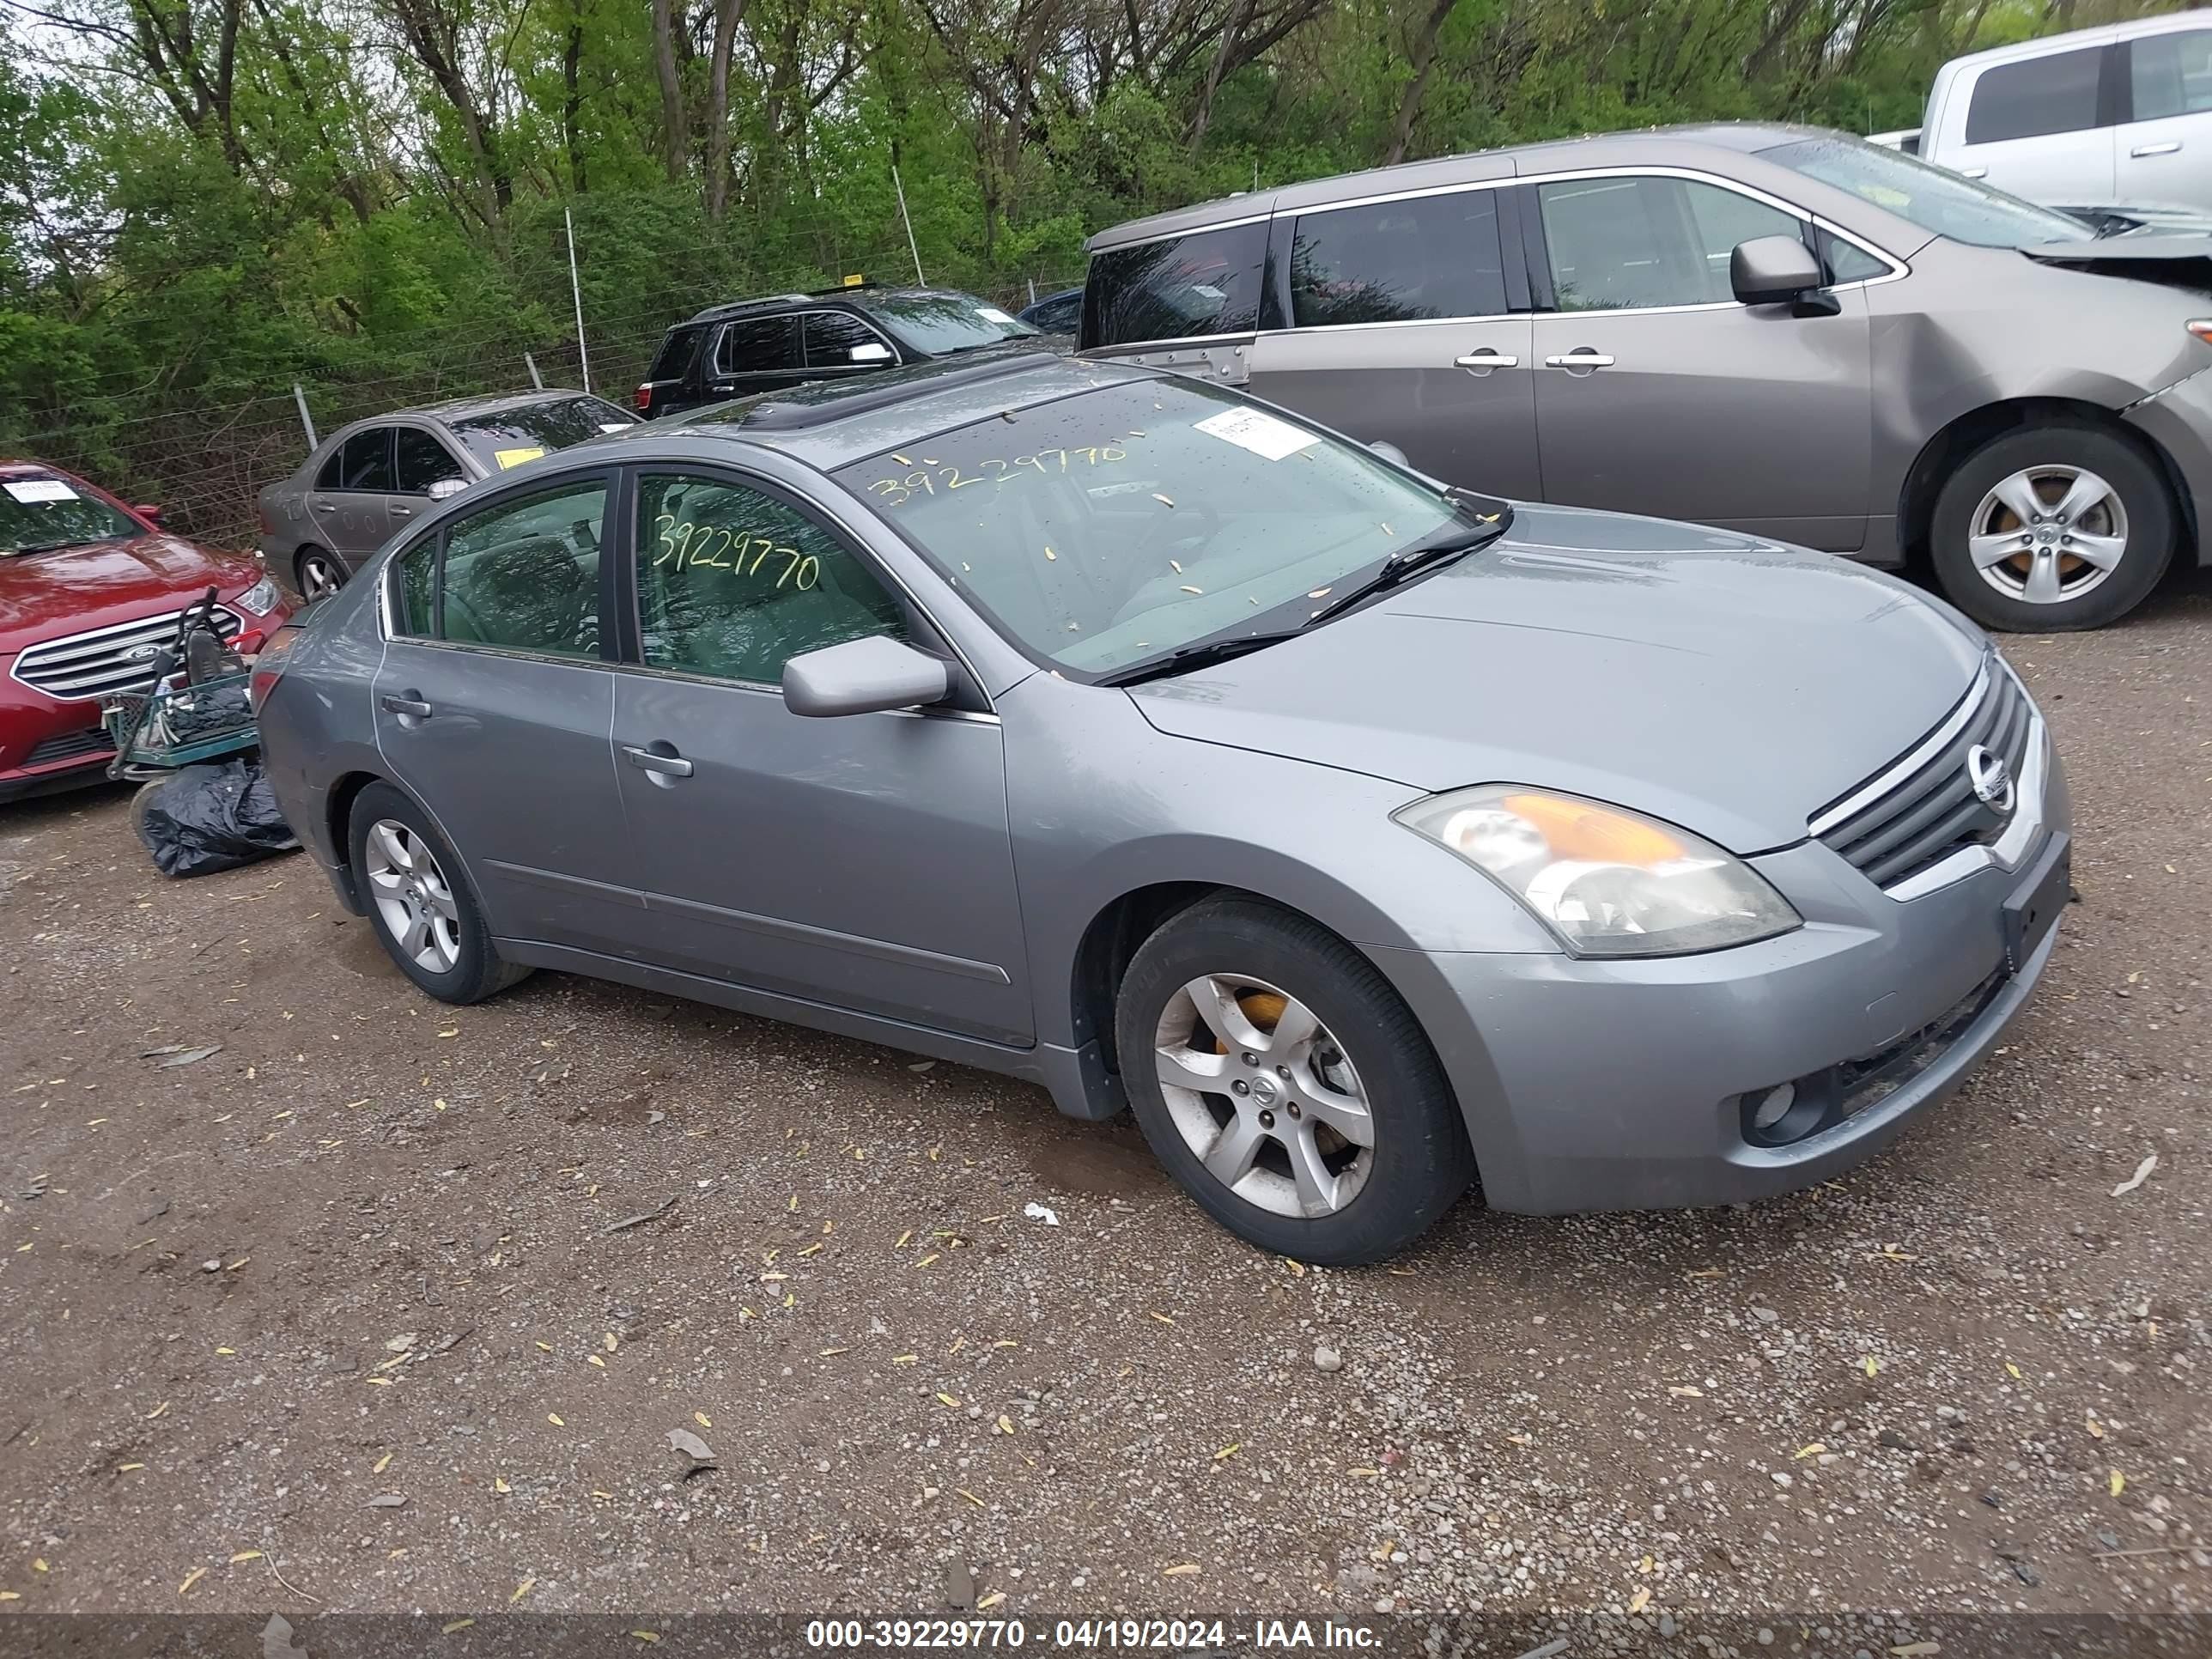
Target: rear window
1433,256
1178,288
507,437
673,361
2056,93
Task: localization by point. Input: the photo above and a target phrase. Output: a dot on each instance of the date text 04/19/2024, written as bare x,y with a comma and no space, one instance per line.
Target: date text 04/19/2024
1111,1635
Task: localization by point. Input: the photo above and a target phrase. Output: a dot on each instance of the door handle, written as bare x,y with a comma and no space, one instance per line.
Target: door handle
410,704
2165,149
1485,360
662,767
400,512
1580,357
324,507
1973,173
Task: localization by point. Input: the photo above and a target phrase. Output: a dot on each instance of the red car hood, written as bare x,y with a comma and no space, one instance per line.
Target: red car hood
75,588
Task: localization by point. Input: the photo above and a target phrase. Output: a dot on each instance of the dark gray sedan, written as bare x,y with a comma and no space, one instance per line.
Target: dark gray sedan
1106,728
366,482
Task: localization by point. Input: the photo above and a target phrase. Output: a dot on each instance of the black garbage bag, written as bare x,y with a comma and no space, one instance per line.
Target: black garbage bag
214,816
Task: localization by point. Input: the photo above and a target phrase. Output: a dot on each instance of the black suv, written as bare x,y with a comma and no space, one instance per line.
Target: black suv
763,345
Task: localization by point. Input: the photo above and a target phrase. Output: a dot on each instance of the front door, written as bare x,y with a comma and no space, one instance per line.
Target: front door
1658,394
1400,334
863,862
493,707
2165,150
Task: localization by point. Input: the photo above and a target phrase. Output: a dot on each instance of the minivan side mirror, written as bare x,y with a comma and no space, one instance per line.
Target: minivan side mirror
862,676
445,488
1770,271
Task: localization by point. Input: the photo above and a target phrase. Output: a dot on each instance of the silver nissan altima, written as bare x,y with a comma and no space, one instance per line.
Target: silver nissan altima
1369,839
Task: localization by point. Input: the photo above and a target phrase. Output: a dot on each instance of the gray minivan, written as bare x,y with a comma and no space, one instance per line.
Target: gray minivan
1775,330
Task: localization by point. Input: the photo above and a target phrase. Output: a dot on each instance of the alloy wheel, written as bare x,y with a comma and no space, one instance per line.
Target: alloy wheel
413,898
320,576
1264,1095
2048,534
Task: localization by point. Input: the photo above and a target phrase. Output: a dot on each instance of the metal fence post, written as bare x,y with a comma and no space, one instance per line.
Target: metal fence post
536,378
299,396
576,291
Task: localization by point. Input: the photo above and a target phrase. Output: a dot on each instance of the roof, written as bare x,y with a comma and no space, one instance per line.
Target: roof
457,408
828,423
853,293
1479,166
2103,34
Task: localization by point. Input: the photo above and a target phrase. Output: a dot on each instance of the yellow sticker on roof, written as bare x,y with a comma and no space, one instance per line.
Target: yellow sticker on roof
507,457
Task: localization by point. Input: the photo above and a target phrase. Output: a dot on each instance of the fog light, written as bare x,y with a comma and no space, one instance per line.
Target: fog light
1773,1106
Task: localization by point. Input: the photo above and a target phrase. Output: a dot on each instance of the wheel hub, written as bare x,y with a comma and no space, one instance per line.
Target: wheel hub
2048,534
414,902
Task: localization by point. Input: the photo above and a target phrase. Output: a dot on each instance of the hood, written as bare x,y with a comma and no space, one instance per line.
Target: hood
2175,259
1730,686
73,588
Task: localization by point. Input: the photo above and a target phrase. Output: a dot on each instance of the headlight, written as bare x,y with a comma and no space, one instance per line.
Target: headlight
260,599
1609,883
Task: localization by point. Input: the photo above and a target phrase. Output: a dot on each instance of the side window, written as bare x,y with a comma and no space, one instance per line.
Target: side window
2057,93
415,586
1847,262
1206,282
1618,244
837,339
1432,256
362,462
673,361
734,583
524,575
759,345
421,461
2170,75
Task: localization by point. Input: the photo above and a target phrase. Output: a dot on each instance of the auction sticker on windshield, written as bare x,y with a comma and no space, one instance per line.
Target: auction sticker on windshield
41,489
1263,434
507,457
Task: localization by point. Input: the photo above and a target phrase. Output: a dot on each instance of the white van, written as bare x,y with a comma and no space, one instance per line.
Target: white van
2121,113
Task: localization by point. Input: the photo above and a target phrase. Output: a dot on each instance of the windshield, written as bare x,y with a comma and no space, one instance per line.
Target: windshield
945,321
1932,198
507,437
38,513
1121,523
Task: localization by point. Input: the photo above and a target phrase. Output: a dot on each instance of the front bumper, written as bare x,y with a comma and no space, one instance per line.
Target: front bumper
1607,1085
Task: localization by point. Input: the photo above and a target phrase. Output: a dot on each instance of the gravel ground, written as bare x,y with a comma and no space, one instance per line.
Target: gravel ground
388,1306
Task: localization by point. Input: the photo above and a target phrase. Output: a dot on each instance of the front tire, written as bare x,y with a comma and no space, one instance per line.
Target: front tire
419,902
1283,1083
317,574
2055,527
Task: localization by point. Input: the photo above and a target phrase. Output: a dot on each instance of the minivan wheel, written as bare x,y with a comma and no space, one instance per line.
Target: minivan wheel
420,903
319,574
1279,1078
2054,527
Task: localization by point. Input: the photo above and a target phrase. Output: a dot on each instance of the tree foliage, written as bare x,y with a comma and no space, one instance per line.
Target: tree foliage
203,202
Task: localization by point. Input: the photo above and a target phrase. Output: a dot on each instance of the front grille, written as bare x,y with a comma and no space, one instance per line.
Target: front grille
1924,809
114,658
71,746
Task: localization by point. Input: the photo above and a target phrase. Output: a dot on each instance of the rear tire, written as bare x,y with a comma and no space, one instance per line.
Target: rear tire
1333,1136
419,900
317,573
2055,527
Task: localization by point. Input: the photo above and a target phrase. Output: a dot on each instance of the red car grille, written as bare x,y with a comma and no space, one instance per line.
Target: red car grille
91,664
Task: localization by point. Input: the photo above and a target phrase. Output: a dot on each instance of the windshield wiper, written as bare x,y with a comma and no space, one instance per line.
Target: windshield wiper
1183,659
1407,563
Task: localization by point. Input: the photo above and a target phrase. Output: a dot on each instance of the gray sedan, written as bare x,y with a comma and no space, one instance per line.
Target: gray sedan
366,482
1108,729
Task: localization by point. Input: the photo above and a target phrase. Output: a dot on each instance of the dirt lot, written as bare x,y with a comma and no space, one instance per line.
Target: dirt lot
337,1316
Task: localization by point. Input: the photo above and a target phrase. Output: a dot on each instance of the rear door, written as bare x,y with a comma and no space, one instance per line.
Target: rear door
1190,301
2164,145
1408,325
492,706
1657,392
2042,127
350,503
755,354
862,863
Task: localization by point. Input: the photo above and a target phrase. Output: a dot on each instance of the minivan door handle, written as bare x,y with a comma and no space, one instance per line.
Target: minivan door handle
409,705
2165,148
1483,360
663,768
1580,357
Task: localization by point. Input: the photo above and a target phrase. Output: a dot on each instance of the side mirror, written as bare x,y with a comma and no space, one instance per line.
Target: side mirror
862,676
149,511
1770,271
445,488
871,351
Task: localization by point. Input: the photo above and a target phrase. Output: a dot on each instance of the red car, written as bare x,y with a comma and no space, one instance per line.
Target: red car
90,590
